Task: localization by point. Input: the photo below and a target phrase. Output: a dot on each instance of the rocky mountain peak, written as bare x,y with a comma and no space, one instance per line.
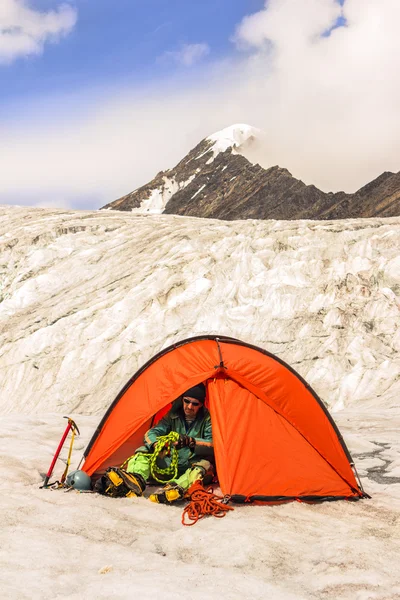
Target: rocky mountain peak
190,172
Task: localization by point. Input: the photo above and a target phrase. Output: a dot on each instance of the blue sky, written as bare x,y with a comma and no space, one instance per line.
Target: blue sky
122,42
97,96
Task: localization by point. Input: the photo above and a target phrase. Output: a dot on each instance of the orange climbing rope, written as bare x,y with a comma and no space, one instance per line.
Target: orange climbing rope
203,502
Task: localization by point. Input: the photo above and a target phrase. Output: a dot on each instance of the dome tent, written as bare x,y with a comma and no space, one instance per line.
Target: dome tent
274,440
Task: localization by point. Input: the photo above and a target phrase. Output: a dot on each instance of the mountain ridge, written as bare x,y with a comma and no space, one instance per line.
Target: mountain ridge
216,180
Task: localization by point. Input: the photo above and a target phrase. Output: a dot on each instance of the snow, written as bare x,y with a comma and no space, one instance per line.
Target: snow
55,544
89,297
235,137
159,197
198,191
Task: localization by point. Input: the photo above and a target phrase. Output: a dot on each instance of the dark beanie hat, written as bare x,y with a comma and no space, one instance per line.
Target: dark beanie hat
197,391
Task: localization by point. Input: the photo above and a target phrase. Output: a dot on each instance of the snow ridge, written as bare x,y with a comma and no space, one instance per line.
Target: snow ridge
233,137
88,297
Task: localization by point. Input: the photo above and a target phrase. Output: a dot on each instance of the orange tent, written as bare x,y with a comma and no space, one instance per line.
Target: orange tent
274,439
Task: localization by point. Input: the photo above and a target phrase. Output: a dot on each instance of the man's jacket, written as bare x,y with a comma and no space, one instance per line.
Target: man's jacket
200,430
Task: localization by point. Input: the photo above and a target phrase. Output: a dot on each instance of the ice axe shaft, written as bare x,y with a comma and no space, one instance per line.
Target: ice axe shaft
71,425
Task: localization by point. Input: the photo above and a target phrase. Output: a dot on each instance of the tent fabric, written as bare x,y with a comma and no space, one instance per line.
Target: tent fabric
273,437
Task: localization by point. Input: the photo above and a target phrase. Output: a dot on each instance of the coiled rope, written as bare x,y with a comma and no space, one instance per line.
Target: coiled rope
203,502
165,443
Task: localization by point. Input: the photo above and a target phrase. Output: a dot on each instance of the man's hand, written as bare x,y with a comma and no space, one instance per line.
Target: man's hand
185,441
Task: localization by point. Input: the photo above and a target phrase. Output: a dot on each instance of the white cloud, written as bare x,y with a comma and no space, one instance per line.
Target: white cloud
24,31
282,21
334,99
328,105
188,54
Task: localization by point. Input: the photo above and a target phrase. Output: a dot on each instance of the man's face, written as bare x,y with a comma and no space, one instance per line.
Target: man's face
191,406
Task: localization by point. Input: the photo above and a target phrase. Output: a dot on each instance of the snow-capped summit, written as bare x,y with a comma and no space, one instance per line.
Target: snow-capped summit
233,137
197,171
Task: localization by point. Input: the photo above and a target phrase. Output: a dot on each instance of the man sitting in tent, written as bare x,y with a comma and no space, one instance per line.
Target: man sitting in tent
189,418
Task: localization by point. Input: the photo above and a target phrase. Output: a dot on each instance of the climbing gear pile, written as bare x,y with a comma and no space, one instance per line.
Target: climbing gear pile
168,494
72,426
203,502
118,483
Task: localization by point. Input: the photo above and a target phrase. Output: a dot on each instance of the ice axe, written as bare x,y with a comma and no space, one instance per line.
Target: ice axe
71,426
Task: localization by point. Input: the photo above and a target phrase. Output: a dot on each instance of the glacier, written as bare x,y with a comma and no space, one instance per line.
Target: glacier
88,297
